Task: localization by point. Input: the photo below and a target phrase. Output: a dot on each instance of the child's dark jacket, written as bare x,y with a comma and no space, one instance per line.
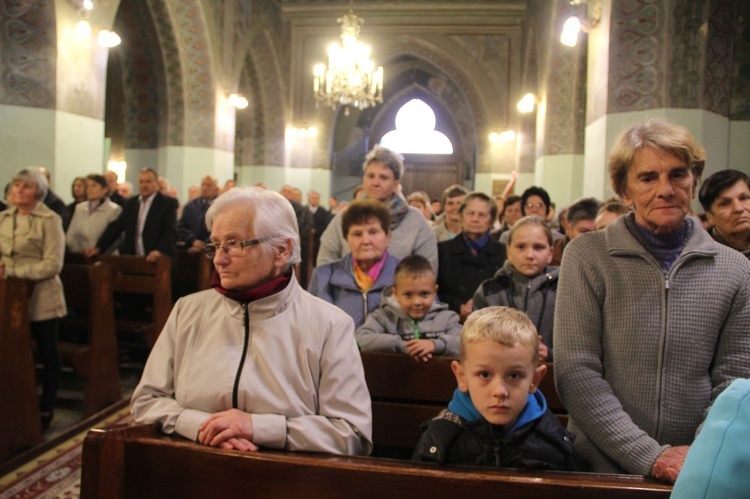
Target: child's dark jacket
541,443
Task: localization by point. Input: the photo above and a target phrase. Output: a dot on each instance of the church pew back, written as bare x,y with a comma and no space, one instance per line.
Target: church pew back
404,395
133,275
20,426
91,317
138,462
192,273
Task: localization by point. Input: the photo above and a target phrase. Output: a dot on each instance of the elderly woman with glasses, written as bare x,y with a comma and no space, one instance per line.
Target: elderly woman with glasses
32,243
652,315
257,362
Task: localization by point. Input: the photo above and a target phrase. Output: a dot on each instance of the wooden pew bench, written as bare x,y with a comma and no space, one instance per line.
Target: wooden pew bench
554,404
88,337
406,394
143,293
20,427
192,273
138,462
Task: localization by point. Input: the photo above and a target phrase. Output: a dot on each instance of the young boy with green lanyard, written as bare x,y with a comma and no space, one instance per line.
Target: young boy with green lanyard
409,320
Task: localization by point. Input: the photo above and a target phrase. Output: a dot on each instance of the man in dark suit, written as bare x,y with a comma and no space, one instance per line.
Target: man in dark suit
320,219
192,226
148,221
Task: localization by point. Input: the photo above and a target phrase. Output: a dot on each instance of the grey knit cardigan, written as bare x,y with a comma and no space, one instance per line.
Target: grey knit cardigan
640,355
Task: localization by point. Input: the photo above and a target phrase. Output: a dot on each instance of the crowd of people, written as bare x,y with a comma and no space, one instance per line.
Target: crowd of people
642,306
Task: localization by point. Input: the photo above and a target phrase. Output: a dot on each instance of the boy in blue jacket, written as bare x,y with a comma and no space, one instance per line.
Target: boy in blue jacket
497,416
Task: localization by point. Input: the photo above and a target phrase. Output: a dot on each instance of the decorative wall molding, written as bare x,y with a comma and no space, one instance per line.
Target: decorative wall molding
687,48
717,89
172,122
28,51
564,123
143,79
740,106
637,66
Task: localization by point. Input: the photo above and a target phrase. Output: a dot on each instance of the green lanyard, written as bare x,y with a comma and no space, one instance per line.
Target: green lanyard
416,330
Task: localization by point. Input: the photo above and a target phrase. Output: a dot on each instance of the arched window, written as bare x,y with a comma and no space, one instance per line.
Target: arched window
415,131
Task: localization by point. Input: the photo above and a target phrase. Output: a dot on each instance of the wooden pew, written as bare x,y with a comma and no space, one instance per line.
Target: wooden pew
20,426
137,462
133,275
405,394
547,386
91,316
192,273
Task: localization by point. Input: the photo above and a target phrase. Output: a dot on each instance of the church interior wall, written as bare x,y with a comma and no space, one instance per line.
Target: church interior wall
476,59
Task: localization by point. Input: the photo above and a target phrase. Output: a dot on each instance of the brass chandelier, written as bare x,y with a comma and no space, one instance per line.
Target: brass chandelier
351,78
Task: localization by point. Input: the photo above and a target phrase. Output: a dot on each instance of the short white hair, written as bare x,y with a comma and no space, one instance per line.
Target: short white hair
33,175
277,224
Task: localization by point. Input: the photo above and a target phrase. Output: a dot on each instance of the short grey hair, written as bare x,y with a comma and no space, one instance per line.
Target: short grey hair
277,225
393,160
33,175
659,134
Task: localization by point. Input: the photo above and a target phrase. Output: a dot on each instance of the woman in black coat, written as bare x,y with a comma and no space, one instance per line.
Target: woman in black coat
470,257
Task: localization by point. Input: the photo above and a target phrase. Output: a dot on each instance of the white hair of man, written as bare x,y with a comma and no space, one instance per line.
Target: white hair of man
277,225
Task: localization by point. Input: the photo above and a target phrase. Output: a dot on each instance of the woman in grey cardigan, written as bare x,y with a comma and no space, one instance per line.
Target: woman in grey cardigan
652,315
412,235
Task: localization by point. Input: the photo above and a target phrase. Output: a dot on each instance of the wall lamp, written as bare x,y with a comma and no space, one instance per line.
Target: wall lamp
585,20
238,101
527,103
302,133
504,136
104,38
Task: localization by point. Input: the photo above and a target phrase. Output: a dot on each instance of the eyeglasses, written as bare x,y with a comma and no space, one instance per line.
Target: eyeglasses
232,247
535,205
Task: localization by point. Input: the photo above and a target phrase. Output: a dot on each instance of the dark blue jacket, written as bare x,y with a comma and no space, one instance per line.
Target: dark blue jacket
537,442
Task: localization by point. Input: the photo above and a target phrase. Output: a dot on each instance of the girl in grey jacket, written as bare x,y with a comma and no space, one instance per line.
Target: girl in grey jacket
525,282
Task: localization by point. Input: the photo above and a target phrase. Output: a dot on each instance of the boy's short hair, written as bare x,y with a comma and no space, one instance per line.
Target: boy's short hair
531,220
503,325
413,265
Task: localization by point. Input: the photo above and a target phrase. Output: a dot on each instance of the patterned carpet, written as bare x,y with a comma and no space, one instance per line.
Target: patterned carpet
57,472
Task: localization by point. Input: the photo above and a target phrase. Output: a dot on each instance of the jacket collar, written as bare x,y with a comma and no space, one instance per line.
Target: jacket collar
458,246
507,272
40,210
269,306
343,275
620,241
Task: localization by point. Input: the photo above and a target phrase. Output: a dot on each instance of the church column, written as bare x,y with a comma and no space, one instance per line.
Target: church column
199,132
559,120
667,59
52,95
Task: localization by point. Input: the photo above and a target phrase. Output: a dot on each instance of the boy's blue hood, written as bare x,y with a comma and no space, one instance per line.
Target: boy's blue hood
536,405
